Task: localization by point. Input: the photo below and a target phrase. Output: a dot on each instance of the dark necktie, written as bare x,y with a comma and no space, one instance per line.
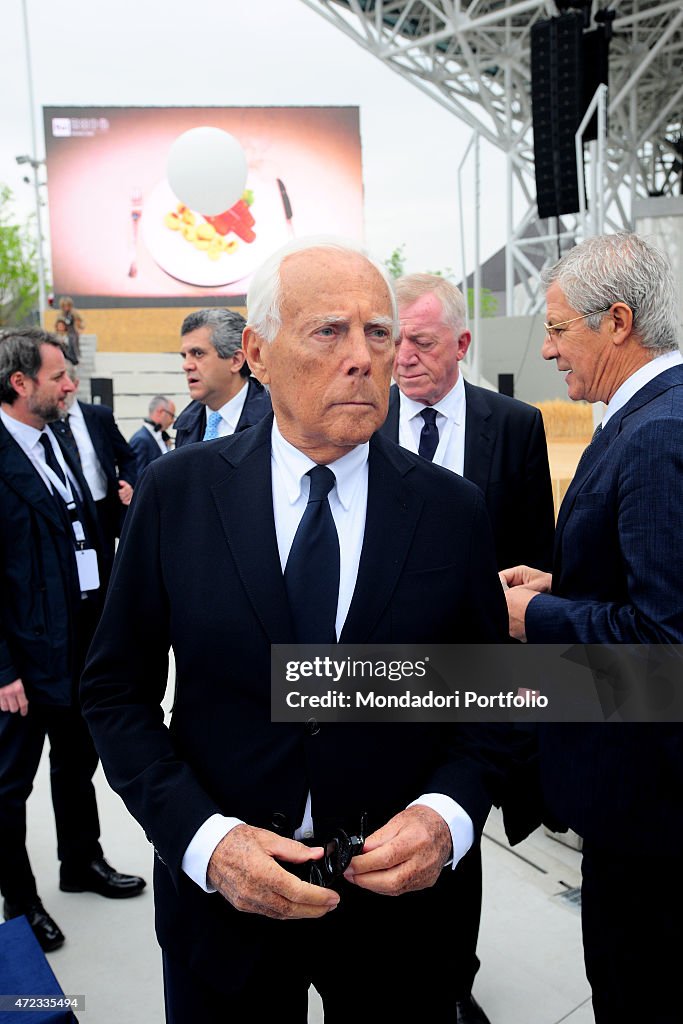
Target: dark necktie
429,438
51,458
68,433
312,570
589,447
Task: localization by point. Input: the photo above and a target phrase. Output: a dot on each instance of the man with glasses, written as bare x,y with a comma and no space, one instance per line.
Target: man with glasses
153,439
612,328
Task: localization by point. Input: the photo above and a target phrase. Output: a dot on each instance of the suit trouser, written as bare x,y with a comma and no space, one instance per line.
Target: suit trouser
632,911
373,958
73,761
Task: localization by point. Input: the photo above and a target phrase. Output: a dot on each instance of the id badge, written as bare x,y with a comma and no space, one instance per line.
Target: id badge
88,573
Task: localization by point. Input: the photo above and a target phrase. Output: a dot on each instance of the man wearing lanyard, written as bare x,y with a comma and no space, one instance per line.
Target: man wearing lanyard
49,605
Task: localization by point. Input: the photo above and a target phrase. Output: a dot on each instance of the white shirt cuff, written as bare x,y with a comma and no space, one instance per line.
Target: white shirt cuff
201,847
457,819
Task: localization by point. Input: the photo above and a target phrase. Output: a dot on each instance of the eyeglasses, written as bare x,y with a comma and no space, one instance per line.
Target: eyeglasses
338,853
549,328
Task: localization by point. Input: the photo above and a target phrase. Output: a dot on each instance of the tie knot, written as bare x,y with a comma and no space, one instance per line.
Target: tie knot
213,420
322,481
429,416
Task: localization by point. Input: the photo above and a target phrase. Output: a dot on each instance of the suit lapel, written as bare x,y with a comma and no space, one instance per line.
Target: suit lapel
250,530
480,437
22,476
392,516
654,388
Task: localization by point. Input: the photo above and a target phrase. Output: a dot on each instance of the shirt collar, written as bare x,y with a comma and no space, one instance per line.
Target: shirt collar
24,433
452,405
231,411
639,379
294,465
75,412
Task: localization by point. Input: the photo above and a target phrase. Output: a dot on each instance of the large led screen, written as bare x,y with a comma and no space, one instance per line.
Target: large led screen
120,236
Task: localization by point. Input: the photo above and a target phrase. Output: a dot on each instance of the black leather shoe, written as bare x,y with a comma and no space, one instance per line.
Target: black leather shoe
46,930
99,877
468,1011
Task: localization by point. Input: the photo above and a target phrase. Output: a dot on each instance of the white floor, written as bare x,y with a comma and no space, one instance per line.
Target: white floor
530,943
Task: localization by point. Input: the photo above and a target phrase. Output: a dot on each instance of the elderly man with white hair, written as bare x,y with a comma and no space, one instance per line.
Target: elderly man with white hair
307,529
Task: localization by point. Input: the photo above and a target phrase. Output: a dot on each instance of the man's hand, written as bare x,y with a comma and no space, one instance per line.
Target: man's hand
125,492
13,698
243,869
407,853
521,584
525,576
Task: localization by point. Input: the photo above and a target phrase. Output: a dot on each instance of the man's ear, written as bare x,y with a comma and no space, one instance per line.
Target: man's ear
255,348
237,361
464,340
19,382
622,320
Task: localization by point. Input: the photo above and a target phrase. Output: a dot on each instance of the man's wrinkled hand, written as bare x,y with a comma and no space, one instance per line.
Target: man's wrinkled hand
244,870
406,854
13,698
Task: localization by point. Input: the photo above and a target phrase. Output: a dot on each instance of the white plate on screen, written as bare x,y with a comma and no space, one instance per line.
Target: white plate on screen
181,260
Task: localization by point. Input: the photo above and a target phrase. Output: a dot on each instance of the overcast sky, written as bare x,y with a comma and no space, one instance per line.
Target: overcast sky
260,53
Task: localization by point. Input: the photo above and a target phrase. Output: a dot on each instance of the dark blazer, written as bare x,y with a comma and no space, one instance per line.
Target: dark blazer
144,448
506,456
116,459
40,598
426,574
191,423
618,578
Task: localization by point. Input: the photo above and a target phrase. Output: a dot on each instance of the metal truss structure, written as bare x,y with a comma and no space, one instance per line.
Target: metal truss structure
473,57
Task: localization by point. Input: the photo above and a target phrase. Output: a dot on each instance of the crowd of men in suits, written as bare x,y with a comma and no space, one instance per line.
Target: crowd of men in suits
330,506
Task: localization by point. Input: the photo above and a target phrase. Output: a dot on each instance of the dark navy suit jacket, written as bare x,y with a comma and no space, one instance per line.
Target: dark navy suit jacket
191,423
506,456
426,574
145,448
618,578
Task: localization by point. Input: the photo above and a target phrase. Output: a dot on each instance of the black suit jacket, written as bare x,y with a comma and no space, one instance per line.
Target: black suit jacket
198,568
191,423
506,456
116,458
40,599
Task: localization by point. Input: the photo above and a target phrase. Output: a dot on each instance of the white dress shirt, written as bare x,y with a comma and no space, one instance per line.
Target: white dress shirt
450,422
231,411
639,379
28,439
348,503
90,464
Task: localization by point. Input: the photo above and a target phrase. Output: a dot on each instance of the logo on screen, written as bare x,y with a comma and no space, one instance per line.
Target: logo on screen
61,127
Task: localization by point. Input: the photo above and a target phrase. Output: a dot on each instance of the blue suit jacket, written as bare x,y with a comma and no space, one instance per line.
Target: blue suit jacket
618,578
145,448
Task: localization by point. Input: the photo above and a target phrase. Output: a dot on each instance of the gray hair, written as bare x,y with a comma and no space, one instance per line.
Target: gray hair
20,353
265,291
413,286
621,268
158,402
226,326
